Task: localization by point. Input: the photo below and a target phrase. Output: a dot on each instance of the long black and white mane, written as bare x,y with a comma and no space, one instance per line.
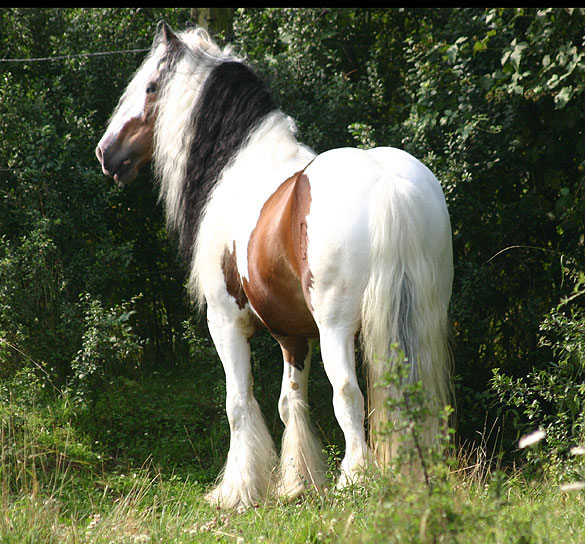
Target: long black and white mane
217,121
210,105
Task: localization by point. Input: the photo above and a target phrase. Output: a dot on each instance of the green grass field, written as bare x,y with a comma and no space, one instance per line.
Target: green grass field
133,467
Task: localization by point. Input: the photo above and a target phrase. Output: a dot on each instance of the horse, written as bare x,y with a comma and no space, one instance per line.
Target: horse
344,246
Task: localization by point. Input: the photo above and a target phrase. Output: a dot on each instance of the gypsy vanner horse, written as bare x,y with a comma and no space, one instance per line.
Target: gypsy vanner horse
311,247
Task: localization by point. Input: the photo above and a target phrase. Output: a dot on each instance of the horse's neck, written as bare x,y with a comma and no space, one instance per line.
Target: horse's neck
271,155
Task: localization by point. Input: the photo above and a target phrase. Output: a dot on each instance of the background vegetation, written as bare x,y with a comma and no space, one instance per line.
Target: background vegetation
103,365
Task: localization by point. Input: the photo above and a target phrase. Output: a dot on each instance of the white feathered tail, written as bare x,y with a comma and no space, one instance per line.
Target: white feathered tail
403,305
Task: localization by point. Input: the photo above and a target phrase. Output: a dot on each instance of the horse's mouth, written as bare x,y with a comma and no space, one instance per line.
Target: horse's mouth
126,172
123,171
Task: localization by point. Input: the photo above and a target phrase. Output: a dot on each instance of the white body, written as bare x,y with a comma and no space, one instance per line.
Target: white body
348,186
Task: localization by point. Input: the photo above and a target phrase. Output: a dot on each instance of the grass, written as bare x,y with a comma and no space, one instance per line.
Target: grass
134,468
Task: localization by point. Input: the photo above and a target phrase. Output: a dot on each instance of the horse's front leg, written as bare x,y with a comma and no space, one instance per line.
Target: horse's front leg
251,459
301,463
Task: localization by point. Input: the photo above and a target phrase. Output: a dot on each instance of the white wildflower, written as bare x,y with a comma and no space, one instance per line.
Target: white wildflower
578,450
573,486
94,520
208,526
530,439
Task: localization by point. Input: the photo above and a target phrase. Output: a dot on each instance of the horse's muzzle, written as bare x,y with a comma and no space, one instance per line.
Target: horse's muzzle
119,166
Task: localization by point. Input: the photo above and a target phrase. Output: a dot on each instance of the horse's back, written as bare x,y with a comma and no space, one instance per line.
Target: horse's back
345,179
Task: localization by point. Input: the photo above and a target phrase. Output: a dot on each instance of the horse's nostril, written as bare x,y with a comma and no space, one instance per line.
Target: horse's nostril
99,154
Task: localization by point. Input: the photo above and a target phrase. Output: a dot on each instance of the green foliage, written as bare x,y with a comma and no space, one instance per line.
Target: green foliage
552,398
507,154
330,68
110,347
64,230
491,99
30,300
135,467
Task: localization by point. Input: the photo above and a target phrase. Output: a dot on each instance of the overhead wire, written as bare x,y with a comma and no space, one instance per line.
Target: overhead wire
68,57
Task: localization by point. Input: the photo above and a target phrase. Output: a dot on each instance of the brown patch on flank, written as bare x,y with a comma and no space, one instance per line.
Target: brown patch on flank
278,270
300,207
232,277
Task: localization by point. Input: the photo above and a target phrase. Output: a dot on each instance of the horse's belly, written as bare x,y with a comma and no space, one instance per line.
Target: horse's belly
279,303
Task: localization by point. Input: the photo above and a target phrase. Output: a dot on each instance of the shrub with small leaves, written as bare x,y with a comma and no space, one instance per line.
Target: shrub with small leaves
110,346
552,398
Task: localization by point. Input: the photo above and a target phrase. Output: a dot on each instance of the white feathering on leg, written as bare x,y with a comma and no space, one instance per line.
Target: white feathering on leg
249,470
301,461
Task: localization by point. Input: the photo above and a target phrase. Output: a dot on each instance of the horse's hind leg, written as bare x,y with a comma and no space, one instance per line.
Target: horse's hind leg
337,349
301,461
251,458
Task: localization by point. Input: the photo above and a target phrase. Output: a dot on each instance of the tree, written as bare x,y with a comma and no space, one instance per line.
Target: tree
215,20
64,230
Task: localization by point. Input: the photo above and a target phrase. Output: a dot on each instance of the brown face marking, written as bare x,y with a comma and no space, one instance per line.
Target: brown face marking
278,271
137,135
125,153
138,132
232,277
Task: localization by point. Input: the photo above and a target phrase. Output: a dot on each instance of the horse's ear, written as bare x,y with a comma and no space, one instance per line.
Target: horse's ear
168,35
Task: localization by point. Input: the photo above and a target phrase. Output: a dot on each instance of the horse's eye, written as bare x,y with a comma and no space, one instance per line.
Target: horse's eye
151,88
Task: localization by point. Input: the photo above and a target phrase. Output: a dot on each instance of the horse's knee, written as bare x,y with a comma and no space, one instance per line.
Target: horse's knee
347,391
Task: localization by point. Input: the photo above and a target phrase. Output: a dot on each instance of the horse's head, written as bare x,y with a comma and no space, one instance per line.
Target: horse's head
127,144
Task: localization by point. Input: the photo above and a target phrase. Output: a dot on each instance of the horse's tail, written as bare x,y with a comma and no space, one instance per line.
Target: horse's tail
404,305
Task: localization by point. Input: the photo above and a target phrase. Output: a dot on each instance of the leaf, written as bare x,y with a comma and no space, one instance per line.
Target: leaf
452,53
516,54
479,46
563,97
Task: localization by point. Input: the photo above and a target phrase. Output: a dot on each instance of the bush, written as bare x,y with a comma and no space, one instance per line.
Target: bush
110,347
552,398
